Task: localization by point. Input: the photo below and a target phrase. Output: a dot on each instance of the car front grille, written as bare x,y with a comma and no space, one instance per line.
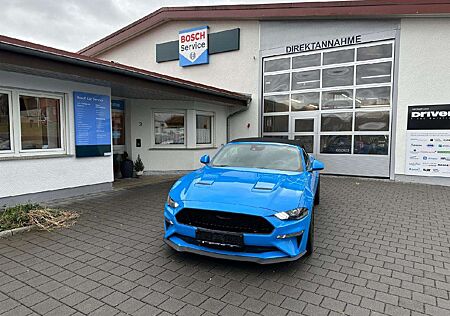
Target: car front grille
224,221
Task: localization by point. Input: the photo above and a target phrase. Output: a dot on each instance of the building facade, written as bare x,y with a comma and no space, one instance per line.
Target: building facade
364,85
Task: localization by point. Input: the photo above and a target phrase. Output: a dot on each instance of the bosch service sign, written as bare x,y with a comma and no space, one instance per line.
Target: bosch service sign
428,140
193,46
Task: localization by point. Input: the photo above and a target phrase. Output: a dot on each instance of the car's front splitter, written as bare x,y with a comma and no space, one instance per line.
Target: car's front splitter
276,257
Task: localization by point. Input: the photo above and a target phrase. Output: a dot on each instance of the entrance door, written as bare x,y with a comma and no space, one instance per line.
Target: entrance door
304,127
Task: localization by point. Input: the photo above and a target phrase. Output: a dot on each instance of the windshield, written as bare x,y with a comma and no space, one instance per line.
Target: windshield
264,156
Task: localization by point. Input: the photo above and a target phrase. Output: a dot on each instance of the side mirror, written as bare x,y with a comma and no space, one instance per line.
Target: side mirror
317,165
205,159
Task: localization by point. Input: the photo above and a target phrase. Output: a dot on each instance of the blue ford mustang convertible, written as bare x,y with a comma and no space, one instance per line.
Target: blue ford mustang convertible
253,201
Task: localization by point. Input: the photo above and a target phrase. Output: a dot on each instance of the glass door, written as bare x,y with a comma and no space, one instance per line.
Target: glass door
304,128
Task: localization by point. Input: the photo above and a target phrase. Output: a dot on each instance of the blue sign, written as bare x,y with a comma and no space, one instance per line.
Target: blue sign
92,124
193,46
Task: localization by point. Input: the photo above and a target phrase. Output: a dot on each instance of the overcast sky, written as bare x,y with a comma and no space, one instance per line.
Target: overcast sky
74,24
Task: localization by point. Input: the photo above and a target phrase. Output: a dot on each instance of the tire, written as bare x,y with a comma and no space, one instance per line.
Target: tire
317,196
310,243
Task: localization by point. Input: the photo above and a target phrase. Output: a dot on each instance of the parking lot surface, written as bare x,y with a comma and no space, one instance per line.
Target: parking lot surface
382,248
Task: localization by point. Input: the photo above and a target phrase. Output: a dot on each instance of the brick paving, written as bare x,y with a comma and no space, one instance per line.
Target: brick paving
382,248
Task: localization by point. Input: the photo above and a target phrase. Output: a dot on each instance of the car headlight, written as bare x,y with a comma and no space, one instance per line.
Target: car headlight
294,214
171,202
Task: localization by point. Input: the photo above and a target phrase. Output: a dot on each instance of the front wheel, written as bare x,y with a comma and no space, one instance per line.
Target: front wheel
310,242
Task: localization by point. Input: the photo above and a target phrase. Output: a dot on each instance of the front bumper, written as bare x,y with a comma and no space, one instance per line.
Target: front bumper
275,249
235,257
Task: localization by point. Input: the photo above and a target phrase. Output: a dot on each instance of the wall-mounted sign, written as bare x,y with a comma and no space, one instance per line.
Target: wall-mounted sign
193,46
428,140
92,124
337,42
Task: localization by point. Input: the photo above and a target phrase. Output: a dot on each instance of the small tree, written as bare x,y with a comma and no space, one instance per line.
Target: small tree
138,164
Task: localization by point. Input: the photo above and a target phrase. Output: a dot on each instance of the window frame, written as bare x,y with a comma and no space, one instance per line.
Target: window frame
15,124
213,138
11,150
62,122
153,132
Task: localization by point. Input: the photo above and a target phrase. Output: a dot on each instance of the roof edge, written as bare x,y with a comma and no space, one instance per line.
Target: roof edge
13,44
348,9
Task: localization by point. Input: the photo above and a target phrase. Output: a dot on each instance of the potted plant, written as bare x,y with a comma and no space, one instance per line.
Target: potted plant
139,166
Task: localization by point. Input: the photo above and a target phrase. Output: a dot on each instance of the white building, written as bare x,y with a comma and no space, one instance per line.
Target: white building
364,85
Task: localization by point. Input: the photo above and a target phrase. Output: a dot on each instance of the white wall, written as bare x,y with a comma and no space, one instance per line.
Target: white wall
424,72
235,71
159,159
31,175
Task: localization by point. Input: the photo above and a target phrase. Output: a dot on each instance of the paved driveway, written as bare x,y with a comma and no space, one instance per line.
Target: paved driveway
381,248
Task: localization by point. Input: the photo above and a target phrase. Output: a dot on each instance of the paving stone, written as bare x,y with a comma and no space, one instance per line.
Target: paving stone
389,257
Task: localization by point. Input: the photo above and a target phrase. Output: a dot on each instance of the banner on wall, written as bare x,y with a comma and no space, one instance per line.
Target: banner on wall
92,114
428,140
193,46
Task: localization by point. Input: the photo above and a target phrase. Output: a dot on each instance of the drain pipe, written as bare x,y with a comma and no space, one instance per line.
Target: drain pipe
240,110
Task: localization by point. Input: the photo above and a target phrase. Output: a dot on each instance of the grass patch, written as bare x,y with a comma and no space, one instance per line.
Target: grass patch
34,214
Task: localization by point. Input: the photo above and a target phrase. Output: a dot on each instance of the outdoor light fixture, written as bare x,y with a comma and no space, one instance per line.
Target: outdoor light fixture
285,236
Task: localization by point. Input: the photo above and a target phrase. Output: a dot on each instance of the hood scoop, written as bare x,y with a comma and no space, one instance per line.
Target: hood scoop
264,186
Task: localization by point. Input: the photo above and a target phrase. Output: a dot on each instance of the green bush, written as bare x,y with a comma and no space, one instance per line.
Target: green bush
16,216
138,164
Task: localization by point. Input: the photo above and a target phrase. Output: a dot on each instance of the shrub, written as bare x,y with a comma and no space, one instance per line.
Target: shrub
138,164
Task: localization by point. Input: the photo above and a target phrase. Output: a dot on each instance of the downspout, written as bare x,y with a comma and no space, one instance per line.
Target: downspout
240,110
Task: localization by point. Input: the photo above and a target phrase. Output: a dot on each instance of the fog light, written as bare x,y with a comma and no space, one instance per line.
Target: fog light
300,233
168,223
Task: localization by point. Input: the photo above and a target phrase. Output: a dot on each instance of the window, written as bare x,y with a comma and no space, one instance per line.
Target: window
5,123
276,123
40,122
31,123
349,87
276,103
169,128
371,144
204,130
305,101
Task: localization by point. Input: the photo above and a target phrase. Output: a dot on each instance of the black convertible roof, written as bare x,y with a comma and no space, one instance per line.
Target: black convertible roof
268,140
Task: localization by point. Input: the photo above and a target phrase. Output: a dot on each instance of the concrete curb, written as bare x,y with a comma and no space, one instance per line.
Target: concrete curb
15,231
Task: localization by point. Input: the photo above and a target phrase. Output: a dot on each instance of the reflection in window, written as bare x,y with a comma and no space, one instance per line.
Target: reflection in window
5,137
337,99
40,122
276,103
276,83
336,122
204,131
374,52
276,123
305,101
304,125
306,80
372,97
339,57
306,61
118,122
372,121
373,73
169,128
340,76
335,144
277,64
307,142
371,144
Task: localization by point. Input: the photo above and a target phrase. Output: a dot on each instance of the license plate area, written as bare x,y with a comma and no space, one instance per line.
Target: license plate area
215,239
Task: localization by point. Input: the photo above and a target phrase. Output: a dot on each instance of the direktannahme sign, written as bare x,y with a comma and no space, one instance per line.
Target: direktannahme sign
193,46
337,42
